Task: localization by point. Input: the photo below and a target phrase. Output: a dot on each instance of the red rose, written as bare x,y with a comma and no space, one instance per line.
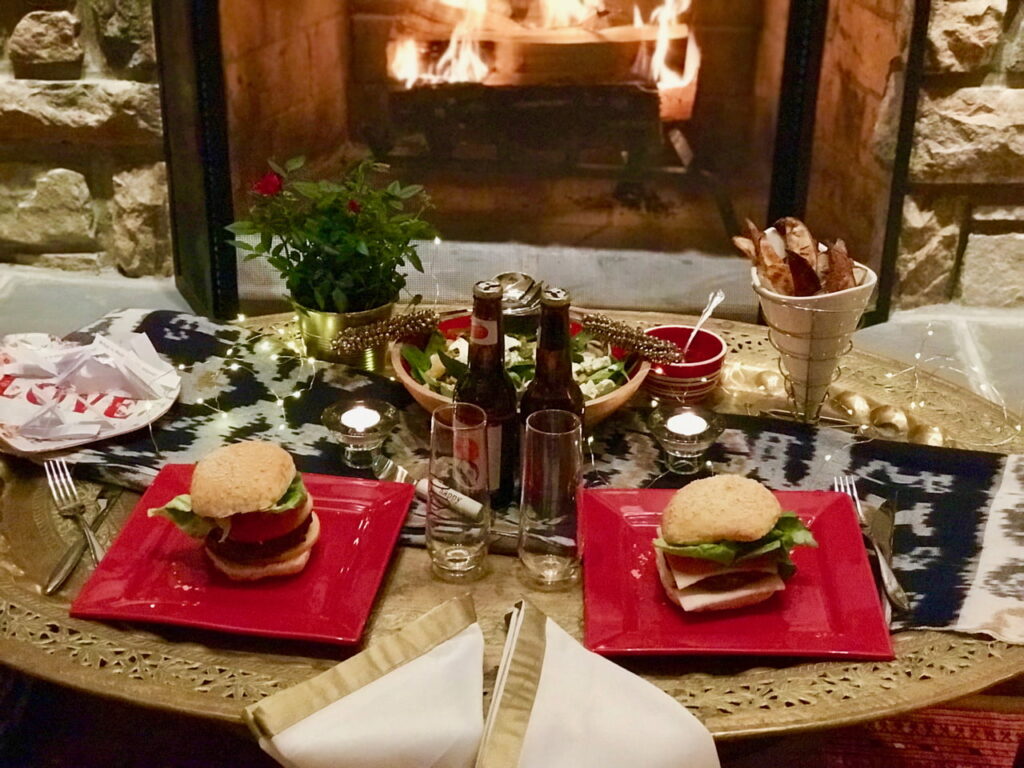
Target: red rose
269,185
354,206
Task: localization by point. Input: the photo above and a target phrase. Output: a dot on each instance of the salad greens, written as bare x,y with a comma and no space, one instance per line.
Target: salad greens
788,532
441,362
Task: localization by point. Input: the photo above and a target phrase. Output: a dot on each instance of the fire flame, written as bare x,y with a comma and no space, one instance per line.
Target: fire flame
463,60
665,16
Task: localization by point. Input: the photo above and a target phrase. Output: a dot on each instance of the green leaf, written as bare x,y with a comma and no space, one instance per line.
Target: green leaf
362,247
452,366
609,371
395,188
411,191
340,299
788,532
414,259
294,496
419,360
436,343
308,189
295,163
277,168
242,245
723,552
179,511
793,533
242,228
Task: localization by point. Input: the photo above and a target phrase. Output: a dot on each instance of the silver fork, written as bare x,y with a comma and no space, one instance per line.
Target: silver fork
69,504
890,585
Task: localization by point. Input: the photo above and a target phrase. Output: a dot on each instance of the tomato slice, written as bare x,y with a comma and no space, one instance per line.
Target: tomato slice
263,526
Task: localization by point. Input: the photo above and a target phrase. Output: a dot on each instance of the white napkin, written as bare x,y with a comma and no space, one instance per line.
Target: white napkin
557,704
409,700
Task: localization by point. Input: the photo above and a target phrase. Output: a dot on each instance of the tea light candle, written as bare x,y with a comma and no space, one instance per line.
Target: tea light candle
686,424
685,433
361,427
360,418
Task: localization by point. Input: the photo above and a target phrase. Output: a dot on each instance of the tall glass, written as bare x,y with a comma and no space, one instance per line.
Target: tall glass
457,533
552,469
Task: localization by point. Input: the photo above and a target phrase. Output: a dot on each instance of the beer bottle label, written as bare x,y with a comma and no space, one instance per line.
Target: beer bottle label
493,457
483,332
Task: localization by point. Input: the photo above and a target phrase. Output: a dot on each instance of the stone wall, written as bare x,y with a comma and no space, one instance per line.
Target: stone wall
82,176
963,221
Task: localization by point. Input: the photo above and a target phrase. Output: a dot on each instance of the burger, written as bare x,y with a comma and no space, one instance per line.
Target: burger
724,542
249,506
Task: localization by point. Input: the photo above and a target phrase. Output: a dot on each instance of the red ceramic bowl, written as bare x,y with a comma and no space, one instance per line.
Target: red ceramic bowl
694,380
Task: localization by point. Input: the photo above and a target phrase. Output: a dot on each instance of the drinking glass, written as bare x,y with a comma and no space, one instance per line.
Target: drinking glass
552,468
457,533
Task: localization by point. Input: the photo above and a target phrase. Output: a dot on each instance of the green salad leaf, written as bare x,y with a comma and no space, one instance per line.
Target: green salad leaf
452,366
418,360
519,363
294,496
179,511
788,532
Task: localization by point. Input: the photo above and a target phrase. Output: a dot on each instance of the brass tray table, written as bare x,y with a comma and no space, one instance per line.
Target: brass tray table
216,676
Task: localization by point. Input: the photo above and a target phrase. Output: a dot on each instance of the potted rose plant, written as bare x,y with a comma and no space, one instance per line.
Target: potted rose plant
342,246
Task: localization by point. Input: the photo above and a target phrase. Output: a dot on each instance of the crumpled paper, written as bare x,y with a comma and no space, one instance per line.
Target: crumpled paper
56,395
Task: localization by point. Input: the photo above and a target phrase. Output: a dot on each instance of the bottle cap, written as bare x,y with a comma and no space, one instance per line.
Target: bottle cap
487,289
554,297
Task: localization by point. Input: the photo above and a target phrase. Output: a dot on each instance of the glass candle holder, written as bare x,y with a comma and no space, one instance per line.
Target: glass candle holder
361,426
685,433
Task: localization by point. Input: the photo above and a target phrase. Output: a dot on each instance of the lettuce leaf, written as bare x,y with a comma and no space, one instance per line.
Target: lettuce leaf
293,496
788,532
723,552
179,511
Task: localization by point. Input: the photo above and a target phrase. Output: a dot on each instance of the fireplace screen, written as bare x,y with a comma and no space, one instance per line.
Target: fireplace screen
638,128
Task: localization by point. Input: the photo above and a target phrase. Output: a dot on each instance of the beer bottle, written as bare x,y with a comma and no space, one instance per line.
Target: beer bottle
553,385
487,384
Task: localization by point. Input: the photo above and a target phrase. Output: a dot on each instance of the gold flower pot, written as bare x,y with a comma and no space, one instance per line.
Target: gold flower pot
318,329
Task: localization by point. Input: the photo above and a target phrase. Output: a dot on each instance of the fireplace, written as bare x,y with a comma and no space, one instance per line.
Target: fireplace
647,126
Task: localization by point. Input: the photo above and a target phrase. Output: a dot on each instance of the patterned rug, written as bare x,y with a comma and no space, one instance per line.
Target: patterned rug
932,738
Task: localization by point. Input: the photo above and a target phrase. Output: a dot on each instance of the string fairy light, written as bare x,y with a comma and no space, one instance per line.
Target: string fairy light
278,343
937,364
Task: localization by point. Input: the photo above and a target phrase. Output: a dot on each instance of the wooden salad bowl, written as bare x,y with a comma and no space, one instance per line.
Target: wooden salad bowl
595,410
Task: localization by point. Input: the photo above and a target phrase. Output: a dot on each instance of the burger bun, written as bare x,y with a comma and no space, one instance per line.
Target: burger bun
241,477
719,508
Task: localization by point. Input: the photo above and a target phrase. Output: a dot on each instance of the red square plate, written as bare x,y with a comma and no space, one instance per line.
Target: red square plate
830,607
154,572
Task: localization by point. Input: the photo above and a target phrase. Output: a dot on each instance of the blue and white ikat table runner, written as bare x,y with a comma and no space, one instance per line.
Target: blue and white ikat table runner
959,540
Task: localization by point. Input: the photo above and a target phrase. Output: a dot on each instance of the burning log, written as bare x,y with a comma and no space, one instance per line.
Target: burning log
524,56
430,20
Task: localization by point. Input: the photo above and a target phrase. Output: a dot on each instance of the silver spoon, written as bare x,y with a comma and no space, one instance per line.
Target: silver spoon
714,299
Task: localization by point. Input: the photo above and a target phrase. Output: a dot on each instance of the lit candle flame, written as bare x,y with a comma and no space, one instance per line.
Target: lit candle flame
360,418
686,424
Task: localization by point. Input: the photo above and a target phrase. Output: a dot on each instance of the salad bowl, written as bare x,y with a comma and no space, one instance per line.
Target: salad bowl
595,410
